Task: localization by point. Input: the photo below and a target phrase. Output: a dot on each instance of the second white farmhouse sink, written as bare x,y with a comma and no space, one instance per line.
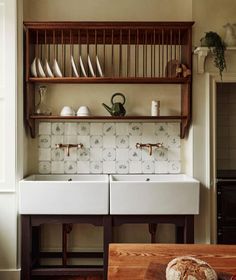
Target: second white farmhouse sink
170,194
64,194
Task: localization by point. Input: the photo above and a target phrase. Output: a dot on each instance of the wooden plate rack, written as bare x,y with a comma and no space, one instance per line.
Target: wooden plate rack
119,52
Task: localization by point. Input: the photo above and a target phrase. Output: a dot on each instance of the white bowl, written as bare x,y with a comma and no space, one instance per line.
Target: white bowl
67,111
83,111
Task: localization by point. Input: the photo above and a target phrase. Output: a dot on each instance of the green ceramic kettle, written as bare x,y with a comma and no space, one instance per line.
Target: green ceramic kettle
117,108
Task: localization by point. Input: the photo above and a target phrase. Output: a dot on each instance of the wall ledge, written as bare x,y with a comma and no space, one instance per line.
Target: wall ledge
10,274
202,53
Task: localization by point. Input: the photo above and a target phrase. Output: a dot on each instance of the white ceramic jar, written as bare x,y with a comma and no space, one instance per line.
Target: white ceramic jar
155,108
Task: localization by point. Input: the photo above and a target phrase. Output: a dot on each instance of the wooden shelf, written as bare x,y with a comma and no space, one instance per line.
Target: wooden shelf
67,271
108,53
107,118
111,80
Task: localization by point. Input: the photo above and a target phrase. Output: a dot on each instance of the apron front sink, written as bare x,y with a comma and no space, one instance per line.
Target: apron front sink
170,194
64,194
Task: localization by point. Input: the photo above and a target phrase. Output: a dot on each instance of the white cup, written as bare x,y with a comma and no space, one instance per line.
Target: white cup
67,111
83,111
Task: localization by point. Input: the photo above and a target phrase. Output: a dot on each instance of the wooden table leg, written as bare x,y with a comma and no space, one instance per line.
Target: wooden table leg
107,238
26,243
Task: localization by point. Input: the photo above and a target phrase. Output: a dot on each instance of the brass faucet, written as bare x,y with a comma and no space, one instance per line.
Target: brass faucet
68,146
149,146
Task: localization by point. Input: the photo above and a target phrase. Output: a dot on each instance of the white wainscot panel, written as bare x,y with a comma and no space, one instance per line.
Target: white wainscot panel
8,232
2,144
2,47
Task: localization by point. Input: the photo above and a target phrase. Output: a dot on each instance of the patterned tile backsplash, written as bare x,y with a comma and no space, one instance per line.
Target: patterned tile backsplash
109,148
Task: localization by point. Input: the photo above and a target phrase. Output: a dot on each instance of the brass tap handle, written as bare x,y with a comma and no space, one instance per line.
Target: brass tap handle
68,146
149,146
159,145
138,145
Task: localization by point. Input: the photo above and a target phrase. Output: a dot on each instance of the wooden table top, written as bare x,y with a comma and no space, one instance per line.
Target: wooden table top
139,261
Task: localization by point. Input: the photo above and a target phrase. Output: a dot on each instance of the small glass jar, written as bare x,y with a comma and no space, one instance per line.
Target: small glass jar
41,107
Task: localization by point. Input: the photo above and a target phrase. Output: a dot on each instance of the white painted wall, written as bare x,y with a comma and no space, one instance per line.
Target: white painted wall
208,15
111,10
8,147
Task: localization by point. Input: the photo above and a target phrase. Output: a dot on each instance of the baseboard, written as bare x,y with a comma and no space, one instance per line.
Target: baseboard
10,274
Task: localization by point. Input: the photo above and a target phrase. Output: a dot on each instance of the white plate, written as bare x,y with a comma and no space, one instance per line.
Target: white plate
48,70
99,67
56,69
33,68
40,69
74,67
82,66
91,67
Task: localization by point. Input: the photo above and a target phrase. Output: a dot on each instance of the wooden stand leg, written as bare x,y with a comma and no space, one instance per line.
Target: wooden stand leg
26,242
179,235
153,230
189,229
66,229
107,238
36,232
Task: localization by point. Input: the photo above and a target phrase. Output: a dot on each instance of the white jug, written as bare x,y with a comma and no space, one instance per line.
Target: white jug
230,37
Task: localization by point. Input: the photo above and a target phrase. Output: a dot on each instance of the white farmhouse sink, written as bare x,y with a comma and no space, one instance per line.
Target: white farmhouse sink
64,194
154,194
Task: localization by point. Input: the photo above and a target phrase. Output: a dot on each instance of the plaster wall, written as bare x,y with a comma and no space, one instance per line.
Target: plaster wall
94,95
211,15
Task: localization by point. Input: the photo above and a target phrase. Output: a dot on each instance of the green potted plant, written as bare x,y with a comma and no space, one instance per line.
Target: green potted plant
214,42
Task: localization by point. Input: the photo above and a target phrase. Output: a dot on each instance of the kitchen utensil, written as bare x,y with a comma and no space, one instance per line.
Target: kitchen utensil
33,68
155,108
74,67
82,67
42,108
56,69
99,67
48,70
67,111
91,67
83,111
117,108
40,68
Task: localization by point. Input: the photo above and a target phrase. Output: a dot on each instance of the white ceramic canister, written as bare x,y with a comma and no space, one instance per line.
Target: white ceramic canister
155,108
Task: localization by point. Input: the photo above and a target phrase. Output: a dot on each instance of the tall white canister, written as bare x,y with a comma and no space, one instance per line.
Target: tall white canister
155,108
